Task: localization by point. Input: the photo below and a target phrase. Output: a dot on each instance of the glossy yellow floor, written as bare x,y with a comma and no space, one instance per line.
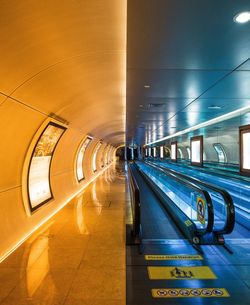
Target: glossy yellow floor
78,257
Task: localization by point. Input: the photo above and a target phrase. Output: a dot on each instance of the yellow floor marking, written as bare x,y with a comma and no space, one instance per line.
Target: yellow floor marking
172,257
190,293
180,273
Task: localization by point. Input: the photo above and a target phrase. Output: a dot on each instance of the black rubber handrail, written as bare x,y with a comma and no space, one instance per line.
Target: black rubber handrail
210,209
136,209
230,211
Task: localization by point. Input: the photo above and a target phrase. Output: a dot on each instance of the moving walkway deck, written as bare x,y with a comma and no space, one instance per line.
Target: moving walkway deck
157,223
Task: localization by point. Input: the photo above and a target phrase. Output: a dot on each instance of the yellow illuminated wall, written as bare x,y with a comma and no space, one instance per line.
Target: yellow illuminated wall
65,61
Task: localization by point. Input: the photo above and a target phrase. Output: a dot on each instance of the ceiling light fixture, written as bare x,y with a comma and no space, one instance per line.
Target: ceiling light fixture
242,17
214,107
146,86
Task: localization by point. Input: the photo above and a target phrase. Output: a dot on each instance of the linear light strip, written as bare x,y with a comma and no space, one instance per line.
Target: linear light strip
201,125
19,243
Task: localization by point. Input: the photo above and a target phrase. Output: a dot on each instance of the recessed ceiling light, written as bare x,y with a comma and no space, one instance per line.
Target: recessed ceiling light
146,86
242,17
214,107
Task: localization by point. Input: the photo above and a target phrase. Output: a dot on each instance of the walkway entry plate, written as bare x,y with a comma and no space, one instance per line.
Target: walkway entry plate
180,273
172,257
190,293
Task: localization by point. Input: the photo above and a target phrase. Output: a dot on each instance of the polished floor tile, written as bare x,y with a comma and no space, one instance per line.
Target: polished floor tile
78,256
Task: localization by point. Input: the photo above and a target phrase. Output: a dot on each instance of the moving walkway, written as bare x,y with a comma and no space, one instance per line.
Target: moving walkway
237,187
200,218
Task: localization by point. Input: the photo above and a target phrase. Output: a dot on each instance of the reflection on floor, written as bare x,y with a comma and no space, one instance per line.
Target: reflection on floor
78,257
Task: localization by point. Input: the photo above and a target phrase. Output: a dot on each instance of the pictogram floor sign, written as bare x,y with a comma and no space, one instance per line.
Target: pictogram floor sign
172,257
180,273
190,293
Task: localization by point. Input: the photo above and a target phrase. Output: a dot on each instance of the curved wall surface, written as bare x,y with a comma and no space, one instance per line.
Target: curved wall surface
62,61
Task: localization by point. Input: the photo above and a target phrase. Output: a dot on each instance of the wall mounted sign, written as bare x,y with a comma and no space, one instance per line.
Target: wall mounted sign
174,151
196,144
80,158
245,149
39,188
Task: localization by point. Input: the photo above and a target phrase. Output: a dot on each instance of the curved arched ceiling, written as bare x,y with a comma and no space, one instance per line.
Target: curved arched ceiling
67,59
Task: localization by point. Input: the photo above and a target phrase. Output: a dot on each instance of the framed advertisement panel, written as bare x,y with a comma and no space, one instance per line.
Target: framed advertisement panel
154,152
161,152
106,154
39,187
174,151
149,152
244,137
80,158
94,159
196,144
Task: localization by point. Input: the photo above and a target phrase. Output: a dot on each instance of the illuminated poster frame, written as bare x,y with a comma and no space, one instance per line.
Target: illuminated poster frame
196,143
43,150
149,152
161,152
102,158
173,154
106,150
80,158
94,159
132,153
244,137
154,152
107,154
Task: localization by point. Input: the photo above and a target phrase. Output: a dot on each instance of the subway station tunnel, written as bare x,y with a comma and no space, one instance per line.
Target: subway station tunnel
125,152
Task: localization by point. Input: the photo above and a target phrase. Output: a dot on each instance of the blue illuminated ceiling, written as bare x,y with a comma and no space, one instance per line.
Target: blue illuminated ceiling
195,59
